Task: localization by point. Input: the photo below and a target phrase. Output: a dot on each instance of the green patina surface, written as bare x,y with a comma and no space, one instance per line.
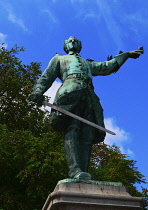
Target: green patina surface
76,95
117,184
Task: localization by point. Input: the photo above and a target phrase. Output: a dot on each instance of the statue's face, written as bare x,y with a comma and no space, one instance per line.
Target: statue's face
72,44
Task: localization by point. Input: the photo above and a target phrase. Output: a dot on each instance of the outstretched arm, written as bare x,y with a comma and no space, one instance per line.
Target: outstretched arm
45,81
112,66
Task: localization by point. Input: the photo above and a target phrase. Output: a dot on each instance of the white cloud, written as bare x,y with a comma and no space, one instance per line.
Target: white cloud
13,17
114,28
122,20
137,21
2,36
90,15
51,92
128,152
120,136
3,40
16,20
121,139
52,17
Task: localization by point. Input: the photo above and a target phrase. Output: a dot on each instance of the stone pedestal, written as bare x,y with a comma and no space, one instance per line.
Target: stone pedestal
72,194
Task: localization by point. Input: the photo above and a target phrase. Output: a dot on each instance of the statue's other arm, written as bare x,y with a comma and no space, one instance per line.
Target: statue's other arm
108,67
45,81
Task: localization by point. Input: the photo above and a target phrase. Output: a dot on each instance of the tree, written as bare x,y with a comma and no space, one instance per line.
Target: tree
109,164
30,168
16,82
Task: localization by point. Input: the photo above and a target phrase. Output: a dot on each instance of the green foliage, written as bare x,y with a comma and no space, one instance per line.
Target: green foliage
30,168
109,164
16,82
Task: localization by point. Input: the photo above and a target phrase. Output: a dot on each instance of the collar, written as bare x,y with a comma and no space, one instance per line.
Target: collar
73,53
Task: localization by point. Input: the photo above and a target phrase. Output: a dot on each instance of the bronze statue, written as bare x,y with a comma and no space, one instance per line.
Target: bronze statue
76,95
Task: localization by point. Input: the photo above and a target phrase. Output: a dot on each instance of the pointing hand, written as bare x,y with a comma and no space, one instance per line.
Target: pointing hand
136,53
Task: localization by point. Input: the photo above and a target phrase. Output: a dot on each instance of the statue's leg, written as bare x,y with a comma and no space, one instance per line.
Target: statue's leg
78,141
71,147
85,145
87,135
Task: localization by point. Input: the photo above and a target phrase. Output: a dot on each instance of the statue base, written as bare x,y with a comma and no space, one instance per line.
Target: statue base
71,194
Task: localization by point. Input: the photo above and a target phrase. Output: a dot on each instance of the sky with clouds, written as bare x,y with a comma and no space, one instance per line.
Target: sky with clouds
105,27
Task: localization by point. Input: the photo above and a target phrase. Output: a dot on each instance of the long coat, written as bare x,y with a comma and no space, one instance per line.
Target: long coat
76,76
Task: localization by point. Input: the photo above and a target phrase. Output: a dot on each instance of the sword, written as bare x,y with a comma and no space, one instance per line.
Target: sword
77,117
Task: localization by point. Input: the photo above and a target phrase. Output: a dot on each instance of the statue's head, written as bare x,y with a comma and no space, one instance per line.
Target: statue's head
72,44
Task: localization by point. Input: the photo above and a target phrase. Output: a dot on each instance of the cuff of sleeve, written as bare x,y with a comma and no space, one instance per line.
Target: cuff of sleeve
37,98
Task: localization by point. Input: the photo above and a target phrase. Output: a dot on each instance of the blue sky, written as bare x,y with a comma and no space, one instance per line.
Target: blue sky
104,27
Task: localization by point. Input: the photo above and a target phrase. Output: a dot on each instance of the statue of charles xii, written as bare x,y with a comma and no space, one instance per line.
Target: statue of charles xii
76,95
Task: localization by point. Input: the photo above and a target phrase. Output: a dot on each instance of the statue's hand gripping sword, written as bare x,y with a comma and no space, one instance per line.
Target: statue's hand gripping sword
77,117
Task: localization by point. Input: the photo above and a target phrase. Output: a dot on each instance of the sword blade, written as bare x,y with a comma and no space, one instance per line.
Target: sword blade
77,117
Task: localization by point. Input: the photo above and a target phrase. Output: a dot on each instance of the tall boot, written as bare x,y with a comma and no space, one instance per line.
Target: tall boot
71,150
85,153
